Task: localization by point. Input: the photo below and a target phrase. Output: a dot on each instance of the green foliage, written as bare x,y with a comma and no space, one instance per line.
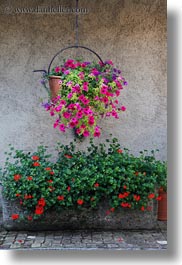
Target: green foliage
80,179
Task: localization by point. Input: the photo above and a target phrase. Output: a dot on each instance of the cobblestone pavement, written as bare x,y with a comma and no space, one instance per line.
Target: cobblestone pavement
85,240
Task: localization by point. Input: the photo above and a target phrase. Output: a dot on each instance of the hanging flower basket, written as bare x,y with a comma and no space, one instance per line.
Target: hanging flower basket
83,92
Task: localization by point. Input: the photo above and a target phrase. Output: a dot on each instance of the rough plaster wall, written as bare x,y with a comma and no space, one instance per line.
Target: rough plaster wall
130,32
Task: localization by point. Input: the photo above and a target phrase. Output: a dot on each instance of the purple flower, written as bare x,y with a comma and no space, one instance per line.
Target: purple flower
95,72
125,83
66,72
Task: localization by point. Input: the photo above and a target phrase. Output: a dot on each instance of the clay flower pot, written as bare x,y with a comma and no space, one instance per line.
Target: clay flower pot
54,84
162,206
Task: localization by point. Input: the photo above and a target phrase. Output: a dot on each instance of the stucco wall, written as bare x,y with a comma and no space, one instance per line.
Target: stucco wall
132,33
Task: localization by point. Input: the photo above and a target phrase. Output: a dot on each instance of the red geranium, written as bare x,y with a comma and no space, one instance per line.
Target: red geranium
80,201
29,178
51,173
142,208
96,185
48,168
68,156
35,158
15,216
136,197
69,188
36,164
18,195
41,202
119,151
17,177
151,196
60,198
158,198
39,209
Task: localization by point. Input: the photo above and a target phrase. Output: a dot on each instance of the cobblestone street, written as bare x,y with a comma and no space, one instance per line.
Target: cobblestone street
85,240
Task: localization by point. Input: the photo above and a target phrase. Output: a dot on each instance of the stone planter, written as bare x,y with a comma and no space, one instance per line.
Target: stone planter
96,219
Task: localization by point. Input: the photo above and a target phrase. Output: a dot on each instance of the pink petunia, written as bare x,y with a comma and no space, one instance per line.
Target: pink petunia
86,133
57,69
70,95
66,115
123,108
85,86
81,75
62,127
97,132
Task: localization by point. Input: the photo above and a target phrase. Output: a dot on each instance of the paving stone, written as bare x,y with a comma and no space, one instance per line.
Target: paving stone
111,240
36,245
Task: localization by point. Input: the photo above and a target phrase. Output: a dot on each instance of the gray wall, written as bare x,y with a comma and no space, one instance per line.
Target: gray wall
132,33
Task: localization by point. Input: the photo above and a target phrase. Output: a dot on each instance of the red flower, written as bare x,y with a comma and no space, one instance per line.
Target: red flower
136,197
68,156
35,158
159,198
126,205
60,198
136,173
29,218
69,188
28,196
119,151
41,202
112,209
142,208
125,187
80,201
29,178
123,195
151,196
50,181
48,168
21,202
51,173
15,216
18,195
36,164
96,185
17,177
39,209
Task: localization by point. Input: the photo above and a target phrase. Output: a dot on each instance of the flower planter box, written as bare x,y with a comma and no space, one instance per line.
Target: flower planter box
96,219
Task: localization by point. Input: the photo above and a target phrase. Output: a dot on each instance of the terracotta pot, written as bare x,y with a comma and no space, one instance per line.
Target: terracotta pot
54,84
162,206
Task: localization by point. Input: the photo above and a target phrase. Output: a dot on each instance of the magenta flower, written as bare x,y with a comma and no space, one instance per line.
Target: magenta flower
69,83
86,133
66,115
85,86
105,100
57,69
66,72
81,75
70,95
95,72
97,132
62,127
58,108
91,121
79,114
123,108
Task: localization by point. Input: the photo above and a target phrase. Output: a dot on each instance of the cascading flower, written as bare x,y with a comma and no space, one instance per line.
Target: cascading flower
89,91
